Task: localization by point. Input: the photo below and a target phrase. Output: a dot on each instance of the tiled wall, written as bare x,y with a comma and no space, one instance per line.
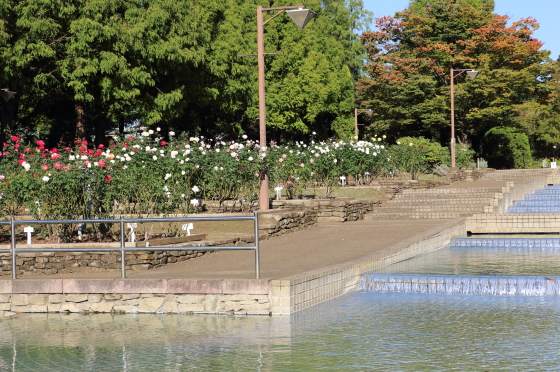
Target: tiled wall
299,292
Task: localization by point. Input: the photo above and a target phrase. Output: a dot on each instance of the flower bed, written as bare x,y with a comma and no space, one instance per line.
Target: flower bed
149,175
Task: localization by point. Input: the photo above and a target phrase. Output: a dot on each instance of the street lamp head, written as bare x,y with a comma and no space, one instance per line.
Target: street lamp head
472,74
6,94
301,16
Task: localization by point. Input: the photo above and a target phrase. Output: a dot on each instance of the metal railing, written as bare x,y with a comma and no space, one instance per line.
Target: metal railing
122,249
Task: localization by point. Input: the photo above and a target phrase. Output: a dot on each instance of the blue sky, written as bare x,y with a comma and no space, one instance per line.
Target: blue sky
546,12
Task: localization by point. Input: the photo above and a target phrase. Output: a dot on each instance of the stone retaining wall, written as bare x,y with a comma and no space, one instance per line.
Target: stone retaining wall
72,262
178,296
331,210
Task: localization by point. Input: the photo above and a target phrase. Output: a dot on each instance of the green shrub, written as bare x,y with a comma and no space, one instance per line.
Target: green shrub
507,148
464,155
410,158
436,154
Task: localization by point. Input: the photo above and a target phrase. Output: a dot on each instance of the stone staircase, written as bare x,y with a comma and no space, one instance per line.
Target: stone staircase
440,203
455,202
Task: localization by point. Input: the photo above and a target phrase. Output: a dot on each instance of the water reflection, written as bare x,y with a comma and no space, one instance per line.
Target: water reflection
357,332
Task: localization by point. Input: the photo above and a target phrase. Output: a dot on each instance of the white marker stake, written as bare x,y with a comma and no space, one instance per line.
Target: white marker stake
28,230
81,229
278,190
132,226
342,179
188,227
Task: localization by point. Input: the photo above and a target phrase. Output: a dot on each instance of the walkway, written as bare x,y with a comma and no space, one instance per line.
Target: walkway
287,255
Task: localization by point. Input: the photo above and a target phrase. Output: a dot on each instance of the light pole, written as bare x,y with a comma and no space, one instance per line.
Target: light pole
369,112
301,17
472,74
6,94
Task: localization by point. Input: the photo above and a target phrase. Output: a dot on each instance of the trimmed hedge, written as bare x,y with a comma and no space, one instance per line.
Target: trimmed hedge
507,148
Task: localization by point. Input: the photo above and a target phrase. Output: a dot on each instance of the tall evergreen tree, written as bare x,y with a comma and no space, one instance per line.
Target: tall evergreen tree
86,67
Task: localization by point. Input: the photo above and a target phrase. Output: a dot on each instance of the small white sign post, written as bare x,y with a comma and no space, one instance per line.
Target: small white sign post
278,190
132,226
343,180
81,229
553,164
188,227
28,230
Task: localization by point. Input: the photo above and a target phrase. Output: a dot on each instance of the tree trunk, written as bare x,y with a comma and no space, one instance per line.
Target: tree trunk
81,126
6,120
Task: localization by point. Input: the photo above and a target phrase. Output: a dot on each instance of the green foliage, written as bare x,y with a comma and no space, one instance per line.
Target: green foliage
175,63
507,148
343,127
464,155
435,153
409,157
420,5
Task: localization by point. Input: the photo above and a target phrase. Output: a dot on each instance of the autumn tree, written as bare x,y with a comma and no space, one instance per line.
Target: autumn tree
409,62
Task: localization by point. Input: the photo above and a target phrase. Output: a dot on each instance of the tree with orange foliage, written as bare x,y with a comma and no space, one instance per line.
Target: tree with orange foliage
407,74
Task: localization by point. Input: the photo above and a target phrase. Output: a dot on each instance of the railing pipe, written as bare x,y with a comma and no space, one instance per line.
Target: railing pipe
123,262
257,253
13,236
122,248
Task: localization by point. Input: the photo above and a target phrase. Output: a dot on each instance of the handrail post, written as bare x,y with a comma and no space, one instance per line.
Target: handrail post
13,235
123,263
257,257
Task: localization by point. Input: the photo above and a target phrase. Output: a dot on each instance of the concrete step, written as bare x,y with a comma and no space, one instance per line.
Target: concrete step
487,195
418,202
434,208
413,216
518,174
454,191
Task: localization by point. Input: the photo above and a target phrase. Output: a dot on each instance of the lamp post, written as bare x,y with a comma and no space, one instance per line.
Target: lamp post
6,94
369,112
472,74
301,17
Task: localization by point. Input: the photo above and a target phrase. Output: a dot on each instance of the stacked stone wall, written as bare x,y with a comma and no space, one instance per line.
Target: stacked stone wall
135,303
74,262
329,210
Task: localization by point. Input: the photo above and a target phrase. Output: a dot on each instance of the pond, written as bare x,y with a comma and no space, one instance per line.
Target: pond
362,331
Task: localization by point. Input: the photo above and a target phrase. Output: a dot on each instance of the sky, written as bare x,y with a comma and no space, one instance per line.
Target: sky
546,12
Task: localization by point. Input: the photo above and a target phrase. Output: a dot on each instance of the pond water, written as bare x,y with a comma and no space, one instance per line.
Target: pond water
362,331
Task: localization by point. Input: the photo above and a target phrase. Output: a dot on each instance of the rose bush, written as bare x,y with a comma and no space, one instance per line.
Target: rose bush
143,175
